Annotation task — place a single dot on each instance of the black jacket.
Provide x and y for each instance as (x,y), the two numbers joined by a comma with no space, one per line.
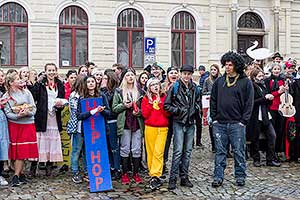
(296,100)
(109,96)
(40,95)
(185,104)
(231,104)
(253,128)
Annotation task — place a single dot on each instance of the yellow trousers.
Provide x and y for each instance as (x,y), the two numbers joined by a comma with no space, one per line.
(155,139)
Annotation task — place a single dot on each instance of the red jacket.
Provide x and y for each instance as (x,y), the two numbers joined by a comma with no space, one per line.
(67,90)
(276,101)
(153,117)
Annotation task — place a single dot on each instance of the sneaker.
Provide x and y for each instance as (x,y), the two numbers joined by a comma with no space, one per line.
(15,181)
(172,184)
(155,183)
(216,183)
(186,182)
(3,182)
(76,178)
(273,163)
(22,179)
(137,179)
(117,175)
(256,164)
(240,182)
(86,178)
(125,180)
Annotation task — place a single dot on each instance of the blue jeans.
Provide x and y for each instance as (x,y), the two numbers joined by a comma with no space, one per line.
(77,148)
(235,135)
(113,146)
(182,149)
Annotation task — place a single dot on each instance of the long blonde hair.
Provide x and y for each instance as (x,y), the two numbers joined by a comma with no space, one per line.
(129,94)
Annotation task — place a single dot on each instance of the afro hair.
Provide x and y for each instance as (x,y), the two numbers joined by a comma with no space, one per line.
(236,59)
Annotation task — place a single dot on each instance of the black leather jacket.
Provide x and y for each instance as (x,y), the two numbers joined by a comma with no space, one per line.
(183,103)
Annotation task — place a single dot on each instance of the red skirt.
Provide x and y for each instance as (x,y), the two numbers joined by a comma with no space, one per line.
(23,142)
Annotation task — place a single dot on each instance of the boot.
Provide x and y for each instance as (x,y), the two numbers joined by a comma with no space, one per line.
(136,165)
(49,168)
(33,167)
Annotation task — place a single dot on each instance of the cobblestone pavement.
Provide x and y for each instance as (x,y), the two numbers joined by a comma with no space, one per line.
(262,183)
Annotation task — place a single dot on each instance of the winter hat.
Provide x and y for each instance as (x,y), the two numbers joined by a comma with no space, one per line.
(159,65)
(187,68)
(277,54)
(172,68)
(201,67)
(96,70)
(151,81)
(125,72)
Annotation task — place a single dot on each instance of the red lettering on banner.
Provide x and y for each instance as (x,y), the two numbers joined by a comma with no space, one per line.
(99,181)
(93,156)
(95,135)
(97,169)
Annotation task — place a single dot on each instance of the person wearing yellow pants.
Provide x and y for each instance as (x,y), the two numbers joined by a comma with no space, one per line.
(156,129)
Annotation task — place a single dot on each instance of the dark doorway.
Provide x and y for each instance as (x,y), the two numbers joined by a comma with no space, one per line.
(246,41)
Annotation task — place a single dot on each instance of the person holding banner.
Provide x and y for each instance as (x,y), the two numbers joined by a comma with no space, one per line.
(156,129)
(49,94)
(129,123)
(207,86)
(20,109)
(90,90)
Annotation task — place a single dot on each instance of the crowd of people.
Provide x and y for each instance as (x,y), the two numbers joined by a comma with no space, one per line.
(145,113)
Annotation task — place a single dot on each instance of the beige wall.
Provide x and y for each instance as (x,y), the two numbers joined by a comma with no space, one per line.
(212,41)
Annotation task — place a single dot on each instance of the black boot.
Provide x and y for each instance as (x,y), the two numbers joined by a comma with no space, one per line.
(49,168)
(136,165)
(125,164)
(33,167)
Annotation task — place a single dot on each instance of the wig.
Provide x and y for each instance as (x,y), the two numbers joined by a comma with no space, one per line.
(236,59)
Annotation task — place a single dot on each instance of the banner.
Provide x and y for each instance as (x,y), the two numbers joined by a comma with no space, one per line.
(66,144)
(205,107)
(96,147)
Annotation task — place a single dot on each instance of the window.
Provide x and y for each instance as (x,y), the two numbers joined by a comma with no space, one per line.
(14,34)
(183,39)
(130,38)
(250,20)
(73,37)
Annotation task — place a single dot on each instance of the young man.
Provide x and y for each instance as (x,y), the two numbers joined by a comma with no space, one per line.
(90,66)
(118,69)
(157,71)
(277,58)
(231,104)
(183,102)
(203,75)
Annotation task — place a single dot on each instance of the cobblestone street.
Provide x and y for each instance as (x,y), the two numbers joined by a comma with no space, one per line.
(262,183)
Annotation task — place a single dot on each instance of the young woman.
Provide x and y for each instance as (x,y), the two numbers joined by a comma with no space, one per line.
(142,80)
(73,129)
(276,86)
(207,86)
(20,109)
(129,124)
(32,76)
(4,137)
(24,76)
(49,94)
(98,74)
(260,120)
(156,129)
(172,77)
(109,83)
(83,70)
(90,90)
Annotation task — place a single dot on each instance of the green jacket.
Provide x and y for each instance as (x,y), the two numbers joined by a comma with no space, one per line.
(119,108)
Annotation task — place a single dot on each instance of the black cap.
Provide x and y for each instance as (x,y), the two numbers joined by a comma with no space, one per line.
(187,68)
(277,54)
(201,67)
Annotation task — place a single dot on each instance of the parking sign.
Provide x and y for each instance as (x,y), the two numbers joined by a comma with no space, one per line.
(150,45)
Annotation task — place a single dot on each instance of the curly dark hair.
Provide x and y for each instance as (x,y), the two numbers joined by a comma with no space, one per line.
(236,59)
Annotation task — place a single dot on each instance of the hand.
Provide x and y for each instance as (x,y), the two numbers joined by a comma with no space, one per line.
(128,104)
(281,89)
(23,113)
(58,104)
(269,97)
(100,108)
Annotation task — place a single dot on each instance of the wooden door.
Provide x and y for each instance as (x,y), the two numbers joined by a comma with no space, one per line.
(245,41)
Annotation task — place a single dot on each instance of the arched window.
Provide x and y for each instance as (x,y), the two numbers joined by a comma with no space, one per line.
(130,38)
(183,39)
(250,20)
(14,34)
(73,36)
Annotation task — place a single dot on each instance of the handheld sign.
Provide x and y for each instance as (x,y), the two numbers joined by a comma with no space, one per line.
(66,145)
(96,147)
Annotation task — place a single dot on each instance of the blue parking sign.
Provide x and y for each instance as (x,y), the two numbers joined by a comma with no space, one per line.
(150,45)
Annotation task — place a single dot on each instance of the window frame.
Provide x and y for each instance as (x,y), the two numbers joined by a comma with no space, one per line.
(73,29)
(12,26)
(130,30)
(182,33)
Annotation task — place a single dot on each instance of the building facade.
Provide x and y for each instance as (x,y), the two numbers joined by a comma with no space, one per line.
(70,32)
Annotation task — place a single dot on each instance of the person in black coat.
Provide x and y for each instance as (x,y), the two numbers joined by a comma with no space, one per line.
(49,96)
(260,120)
